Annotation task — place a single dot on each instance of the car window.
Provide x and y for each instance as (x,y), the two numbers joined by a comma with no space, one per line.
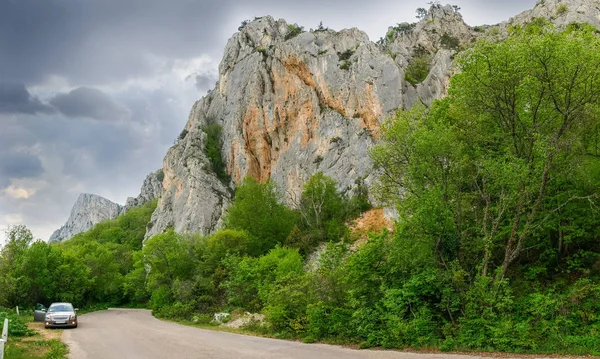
(60,308)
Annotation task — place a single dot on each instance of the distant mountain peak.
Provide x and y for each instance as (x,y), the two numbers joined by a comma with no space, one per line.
(88,210)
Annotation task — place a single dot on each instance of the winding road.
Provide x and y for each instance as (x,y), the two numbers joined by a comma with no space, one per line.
(134,333)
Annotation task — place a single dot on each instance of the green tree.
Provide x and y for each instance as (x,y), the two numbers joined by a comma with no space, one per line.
(323,208)
(18,240)
(478,174)
(534,96)
(418,68)
(258,209)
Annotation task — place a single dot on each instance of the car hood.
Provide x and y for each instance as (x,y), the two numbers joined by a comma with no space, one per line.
(60,314)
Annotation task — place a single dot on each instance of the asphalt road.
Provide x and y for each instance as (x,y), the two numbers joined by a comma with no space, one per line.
(132,334)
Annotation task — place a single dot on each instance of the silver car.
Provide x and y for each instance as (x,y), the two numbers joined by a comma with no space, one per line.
(61,315)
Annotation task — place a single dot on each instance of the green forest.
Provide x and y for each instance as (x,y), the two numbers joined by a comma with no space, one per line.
(496,246)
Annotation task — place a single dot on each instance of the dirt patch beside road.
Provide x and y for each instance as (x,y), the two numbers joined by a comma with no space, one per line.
(47,334)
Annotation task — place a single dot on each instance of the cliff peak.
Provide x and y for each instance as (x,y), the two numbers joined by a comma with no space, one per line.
(562,12)
(291,102)
(88,210)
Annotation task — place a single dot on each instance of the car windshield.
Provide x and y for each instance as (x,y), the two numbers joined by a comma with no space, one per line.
(60,308)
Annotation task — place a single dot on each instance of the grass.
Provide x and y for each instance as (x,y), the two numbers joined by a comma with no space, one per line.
(352,344)
(39,348)
(44,344)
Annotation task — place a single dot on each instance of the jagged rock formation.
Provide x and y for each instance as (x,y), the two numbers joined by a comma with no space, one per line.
(439,35)
(151,189)
(562,12)
(88,210)
(291,106)
(193,198)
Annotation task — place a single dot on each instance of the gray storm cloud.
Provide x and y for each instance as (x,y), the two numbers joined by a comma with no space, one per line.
(14,98)
(17,166)
(90,103)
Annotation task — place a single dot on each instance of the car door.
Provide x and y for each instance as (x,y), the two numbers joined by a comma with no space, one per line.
(39,314)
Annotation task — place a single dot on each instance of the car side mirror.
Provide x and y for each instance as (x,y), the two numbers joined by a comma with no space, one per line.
(76,309)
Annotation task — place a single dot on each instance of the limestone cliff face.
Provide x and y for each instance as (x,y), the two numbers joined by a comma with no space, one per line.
(193,198)
(151,189)
(88,210)
(291,106)
(562,12)
(440,34)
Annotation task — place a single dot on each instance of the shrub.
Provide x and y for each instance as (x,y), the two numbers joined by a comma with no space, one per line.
(421,13)
(182,134)
(346,55)
(243,25)
(17,326)
(561,9)
(212,149)
(294,30)
(418,69)
(449,42)
(405,27)
(390,35)
(321,28)
(160,175)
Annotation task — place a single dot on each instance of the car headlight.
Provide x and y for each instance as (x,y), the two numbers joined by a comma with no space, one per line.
(72,317)
(48,317)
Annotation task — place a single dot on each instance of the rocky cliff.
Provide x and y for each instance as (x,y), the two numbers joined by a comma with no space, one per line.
(88,210)
(151,189)
(289,104)
(292,104)
(562,12)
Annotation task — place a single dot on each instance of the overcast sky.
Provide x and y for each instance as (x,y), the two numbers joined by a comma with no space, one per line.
(93,93)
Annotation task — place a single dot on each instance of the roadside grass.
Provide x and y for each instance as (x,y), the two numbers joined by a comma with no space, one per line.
(258,331)
(44,344)
(35,347)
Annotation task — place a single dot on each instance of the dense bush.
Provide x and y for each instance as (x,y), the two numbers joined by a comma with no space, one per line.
(418,69)
(212,149)
(449,42)
(293,31)
(17,325)
(258,209)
